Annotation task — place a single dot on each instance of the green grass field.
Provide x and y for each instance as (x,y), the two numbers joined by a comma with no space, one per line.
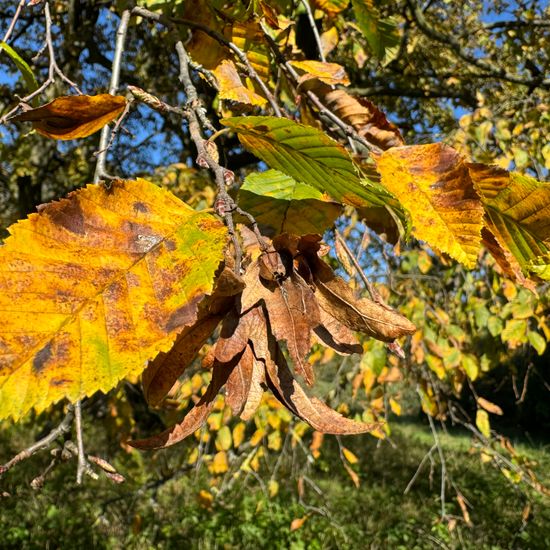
(144,513)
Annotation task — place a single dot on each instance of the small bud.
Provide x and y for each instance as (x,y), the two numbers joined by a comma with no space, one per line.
(228,177)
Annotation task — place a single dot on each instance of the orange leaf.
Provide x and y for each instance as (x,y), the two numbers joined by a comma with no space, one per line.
(76,116)
(488,406)
(231,86)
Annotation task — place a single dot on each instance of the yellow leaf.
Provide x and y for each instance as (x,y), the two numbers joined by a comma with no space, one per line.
(94,286)
(219,465)
(205,499)
(432,181)
(395,406)
(238,434)
(257,436)
(223,439)
(231,86)
(349,456)
(329,73)
(482,422)
(488,406)
(72,117)
(272,488)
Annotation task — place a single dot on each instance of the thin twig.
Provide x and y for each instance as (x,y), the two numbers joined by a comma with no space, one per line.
(311,18)
(14,20)
(374,294)
(427,456)
(100,171)
(443,464)
(63,428)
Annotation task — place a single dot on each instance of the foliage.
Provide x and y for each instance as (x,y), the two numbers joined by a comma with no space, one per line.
(123,279)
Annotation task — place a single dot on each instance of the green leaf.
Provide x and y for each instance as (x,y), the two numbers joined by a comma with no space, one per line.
(22,65)
(495,325)
(514,332)
(537,341)
(285,205)
(310,156)
(518,209)
(470,366)
(382,34)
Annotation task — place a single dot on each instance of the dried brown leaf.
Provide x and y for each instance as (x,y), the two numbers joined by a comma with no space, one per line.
(292,313)
(238,383)
(365,117)
(362,315)
(310,409)
(161,373)
(194,419)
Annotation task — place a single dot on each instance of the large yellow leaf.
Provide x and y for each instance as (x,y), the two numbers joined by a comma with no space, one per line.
(94,286)
(76,116)
(518,207)
(433,183)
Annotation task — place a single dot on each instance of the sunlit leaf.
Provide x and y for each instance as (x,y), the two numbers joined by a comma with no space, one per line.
(231,86)
(329,73)
(94,286)
(537,341)
(76,116)
(518,207)
(488,406)
(432,181)
(482,422)
(279,202)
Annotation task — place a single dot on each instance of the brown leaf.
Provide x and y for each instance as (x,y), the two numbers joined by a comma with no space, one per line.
(256,391)
(312,410)
(166,368)
(488,406)
(363,315)
(292,313)
(194,419)
(72,117)
(365,117)
(239,381)
(161,373)
(336,335)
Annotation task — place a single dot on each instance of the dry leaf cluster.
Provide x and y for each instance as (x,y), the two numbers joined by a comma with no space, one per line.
(287,296)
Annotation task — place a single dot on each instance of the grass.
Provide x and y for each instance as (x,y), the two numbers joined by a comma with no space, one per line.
(337,515)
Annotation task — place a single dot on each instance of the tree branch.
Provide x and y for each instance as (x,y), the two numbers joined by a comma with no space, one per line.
(455,46)
(113,88)
(63,428)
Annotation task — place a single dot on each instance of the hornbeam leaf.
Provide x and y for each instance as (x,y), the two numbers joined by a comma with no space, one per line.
(280,203)
(76,116)
(309,156)
(94,286)
(518,207)
(433,182)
